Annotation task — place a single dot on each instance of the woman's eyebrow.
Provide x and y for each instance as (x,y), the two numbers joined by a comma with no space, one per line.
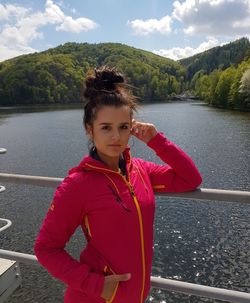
(108,123)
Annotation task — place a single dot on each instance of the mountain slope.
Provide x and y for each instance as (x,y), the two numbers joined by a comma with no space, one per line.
(56,75)
(220,57)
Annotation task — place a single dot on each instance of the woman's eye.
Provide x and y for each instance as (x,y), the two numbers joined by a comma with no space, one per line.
(124,127)
(106,127)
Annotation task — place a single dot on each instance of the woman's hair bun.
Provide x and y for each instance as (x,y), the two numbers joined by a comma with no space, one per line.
(105,79)
(105,86)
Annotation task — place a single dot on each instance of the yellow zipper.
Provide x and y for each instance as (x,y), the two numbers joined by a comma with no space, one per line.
(140,220)
(141,235)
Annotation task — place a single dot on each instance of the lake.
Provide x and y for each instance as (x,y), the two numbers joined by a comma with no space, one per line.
(201,242)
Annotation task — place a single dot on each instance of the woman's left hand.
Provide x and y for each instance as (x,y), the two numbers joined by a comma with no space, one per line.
(143,131)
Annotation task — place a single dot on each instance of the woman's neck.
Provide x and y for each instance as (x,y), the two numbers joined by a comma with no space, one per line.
(111,162)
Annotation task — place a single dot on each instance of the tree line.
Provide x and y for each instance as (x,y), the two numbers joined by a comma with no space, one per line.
(220,76)
(225,89)
(225,82)
(57,75)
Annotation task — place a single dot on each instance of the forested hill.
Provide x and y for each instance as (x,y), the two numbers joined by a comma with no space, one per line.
(57,75)
(222,76)
(220,57)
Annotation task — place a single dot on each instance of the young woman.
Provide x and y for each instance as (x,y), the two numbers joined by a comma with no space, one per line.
(111,196)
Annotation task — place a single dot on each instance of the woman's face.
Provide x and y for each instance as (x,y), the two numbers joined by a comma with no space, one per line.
(110,131)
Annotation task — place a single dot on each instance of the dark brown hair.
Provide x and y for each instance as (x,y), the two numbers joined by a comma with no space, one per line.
(106,87)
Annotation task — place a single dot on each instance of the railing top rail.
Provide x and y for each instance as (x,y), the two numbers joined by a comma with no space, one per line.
(213,194)
(199,194)
(201,290)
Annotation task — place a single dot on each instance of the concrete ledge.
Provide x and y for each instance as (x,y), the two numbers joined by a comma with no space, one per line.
(10,278)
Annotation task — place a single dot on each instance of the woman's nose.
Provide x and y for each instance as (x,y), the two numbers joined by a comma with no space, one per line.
(115,134)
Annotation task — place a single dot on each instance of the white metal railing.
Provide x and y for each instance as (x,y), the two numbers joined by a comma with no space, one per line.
(3,150)
(7,225)
(199,194)
(201,290)
(167,284)
(19,257)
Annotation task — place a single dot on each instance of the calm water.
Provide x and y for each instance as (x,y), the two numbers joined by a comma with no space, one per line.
(200,242)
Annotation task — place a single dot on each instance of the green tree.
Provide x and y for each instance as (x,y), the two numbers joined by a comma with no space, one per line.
(245,89)
(202,87)
(196,76)
(223,87)
(214,78)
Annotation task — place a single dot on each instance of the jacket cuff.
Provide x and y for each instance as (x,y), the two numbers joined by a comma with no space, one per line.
(157,142)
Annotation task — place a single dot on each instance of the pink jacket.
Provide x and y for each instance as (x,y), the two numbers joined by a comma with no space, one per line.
(116,215)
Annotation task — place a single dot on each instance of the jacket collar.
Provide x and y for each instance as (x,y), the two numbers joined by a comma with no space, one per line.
(89,163)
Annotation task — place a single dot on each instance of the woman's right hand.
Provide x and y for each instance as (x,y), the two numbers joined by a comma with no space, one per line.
(110,284)
(143,131)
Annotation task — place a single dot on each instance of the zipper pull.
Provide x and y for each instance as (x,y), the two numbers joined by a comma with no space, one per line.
(131,190)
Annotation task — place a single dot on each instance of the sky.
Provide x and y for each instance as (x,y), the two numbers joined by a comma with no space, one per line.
(174,29)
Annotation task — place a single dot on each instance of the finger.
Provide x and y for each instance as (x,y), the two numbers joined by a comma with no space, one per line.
(134,122)
(143,129)
(134,129)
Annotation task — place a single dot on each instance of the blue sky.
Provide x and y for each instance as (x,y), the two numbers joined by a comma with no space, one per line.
(175,29)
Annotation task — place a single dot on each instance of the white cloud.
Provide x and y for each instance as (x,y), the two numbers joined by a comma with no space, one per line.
(23,26)
(8,52)
(9,10)
(178,53)
(141,27)
(77,25)
(53,13)
(13,36)
(201,17)
(213,17)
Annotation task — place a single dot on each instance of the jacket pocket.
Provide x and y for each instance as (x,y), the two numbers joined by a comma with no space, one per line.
(120,293)
(98,264)
(93,259)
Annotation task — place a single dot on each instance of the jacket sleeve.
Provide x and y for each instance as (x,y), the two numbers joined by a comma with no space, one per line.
(64,216)
(179,175)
